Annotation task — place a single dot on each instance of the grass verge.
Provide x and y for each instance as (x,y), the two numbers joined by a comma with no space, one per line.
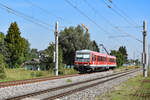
(137,88)
(22,74)
(123,68)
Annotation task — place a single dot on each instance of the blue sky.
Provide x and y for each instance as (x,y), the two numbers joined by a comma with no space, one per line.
(136,10)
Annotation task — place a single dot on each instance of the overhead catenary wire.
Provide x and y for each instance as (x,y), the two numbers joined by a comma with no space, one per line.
(124,16)
(121,11)
(86,16)
(46,11)
(117,28)
(26,17)
(118,36)
(30,19)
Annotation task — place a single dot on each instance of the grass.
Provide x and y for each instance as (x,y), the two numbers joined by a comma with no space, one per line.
(68,80)
(68,71)
(123,68)
(22,74)
(137,88)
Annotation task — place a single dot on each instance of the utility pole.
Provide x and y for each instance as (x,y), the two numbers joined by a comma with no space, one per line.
(144,49)
(148,57)
(56,49)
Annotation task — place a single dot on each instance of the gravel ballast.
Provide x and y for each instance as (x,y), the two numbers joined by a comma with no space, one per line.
(18,90)
(91,93)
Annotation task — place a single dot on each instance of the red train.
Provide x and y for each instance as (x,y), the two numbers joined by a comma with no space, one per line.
(87,61)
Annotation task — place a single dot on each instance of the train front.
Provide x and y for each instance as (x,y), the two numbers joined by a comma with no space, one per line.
(82,60)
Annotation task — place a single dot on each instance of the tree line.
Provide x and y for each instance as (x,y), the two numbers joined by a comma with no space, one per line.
(15,50)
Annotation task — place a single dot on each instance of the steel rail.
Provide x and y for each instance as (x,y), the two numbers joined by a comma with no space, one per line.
(34,80)
(67,86)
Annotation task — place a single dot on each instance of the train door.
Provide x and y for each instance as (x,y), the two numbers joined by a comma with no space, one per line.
(105,60)
(93,59)
(108,60)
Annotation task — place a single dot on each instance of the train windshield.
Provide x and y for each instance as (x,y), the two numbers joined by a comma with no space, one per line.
(83,57)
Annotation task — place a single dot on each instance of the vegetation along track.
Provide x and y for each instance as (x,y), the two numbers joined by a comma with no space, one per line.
(115,75)
(27,81)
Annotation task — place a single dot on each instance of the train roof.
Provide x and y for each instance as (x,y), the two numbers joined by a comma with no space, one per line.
(98,53)
(85,51)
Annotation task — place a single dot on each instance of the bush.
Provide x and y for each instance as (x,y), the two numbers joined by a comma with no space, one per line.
(16,65)
(32,74)
(2,67)
(38,74)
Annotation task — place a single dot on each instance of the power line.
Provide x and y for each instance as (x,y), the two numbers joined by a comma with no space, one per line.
(26,17)
(118,13)
(123,12)
(117,36)
(83,14)
(129,35)
(45,10)
(137,27)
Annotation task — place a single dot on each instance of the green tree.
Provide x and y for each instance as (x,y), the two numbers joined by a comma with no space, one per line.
(2,36)
(72,39)
(47,57)
(15,44)
(3,49)
(123,51)
(119,57)
(27,52)
(2,67)
(94,46)
(34,53)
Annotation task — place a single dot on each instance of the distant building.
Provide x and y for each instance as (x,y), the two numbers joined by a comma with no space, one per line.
(33,64)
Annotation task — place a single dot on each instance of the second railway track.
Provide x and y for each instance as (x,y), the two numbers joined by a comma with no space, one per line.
(64,90)
(27,81)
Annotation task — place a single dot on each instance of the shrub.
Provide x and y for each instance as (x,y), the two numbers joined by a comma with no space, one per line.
(38,74)
(32,74)
(16,65)
(2,67)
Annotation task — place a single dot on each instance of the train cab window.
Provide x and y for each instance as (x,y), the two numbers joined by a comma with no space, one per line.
(83,57)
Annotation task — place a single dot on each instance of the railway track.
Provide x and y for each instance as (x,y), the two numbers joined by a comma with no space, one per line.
(57,92)
(27,81)
(34,80)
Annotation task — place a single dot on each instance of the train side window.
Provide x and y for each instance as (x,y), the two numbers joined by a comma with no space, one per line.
(97,58)
(103,58)
(111,60)
(100,58)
